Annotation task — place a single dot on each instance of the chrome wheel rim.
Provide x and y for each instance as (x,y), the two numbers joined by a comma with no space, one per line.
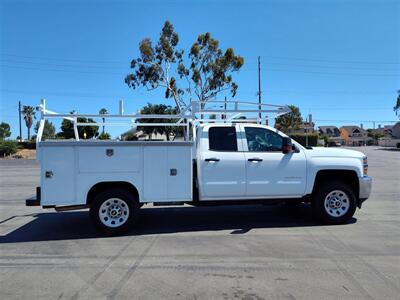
(114,212)
(337,203)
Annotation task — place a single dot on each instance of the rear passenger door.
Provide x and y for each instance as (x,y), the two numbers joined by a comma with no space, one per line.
(222,165)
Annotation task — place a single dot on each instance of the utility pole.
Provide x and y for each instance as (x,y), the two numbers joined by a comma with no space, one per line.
(20,126)
(225,109)
(259,89)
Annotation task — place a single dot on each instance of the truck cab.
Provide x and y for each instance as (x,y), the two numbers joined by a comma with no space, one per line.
(247,161)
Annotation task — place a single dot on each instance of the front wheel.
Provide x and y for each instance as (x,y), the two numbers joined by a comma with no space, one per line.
(334,203)
(114,210)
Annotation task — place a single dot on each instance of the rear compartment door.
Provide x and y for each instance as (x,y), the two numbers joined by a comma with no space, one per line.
(167,173)
(57,175)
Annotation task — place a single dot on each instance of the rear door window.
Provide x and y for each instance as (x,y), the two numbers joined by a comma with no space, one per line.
(222,139)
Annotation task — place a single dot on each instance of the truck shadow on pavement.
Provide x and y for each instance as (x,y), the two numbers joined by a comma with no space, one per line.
(54,226)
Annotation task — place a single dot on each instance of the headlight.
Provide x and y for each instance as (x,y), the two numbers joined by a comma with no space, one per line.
(365,165)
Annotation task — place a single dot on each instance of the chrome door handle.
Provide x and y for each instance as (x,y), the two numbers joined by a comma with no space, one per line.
(212,159)
(255,159)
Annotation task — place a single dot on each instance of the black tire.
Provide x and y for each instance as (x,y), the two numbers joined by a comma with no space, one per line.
(329,211)
(114,200)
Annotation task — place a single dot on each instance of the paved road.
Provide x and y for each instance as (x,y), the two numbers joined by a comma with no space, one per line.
(249,252)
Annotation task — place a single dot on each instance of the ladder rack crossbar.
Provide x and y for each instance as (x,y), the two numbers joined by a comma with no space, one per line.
(193,114)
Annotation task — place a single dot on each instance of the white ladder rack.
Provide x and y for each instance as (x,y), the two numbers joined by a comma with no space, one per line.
(197,112)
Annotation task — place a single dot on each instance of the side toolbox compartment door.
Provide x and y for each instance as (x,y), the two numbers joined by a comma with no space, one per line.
(179,174)
(167,173)
(57,176)
(155,173)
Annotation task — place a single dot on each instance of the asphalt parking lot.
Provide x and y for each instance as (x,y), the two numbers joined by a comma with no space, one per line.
(243,252)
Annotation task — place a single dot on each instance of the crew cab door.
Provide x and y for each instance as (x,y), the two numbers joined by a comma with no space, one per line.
(222,172)
(269,172)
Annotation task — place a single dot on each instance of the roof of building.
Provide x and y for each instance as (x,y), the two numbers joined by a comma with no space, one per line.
(351,128)
(325,128)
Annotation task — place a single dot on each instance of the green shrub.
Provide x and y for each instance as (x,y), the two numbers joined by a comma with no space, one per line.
(104,136)
(8,148)
(28,145)
(130,137)
(301,139)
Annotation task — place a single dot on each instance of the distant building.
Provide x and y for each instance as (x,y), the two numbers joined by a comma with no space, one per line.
(306,127)
(355,136)
(385,130)
(332,132)
(395,131)
(392,136)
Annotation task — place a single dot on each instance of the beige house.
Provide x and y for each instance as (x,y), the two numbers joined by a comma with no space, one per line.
(354,136)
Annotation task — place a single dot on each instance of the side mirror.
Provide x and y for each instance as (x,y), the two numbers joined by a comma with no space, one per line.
(287,146)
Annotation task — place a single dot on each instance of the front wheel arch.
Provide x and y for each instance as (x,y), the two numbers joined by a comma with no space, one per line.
(348,177)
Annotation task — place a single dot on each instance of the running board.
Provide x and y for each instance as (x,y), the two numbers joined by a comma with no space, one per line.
(71,207)
(167,203)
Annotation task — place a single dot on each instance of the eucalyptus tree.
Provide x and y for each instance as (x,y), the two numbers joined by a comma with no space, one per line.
(49,131)
(202,74)
(103,111)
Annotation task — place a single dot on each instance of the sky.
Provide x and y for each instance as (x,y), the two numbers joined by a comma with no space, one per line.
(338,60)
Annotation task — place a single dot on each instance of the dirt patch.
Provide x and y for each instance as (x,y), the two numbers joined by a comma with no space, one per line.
(23,153)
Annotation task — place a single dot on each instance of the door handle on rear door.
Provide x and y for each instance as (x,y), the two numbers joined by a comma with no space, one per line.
(212,159)
(256,159)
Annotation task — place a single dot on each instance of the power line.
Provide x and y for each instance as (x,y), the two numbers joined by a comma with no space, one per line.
(58,70)
(64,59)
(63,94)
(58,65)
(246,63)
(328,73)
(334,61)
(357,121)
(326,67)
(275,70)
(270,56)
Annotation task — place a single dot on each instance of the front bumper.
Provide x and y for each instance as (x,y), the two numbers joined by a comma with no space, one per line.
(365,184)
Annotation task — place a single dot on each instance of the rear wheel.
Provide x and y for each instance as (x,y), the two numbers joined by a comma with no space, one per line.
(334,203)
(114,210)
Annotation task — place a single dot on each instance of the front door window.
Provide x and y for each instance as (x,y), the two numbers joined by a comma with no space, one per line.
(262,140)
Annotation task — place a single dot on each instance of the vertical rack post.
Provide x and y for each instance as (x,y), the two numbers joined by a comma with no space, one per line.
(42,108)
(259,91)
(76,129)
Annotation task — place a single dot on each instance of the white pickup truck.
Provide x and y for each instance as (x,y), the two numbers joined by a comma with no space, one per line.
(227,163)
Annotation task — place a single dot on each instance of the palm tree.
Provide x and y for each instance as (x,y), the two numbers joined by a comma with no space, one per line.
(103,111)
(29,115)
(397,106)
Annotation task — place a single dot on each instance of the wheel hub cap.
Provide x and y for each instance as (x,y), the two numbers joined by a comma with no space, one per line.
(113,212)
(337,203)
